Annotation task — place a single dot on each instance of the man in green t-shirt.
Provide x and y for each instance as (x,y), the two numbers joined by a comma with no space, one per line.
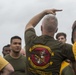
(44,54)
(16,59)
(66,66)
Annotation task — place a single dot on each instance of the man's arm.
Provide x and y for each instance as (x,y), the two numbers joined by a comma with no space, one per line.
(7,70)
(34,21)
(5,67)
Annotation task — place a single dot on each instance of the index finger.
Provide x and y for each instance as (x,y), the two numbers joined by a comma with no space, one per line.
(57,10)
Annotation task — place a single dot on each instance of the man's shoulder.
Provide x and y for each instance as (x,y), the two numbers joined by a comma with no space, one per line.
(68,44)
(7,57)
(23,58)
(30,29)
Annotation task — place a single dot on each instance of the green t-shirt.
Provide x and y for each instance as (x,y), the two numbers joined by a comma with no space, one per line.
(44,54)
(18,64)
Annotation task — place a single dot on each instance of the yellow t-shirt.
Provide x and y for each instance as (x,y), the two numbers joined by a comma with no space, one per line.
(3,63)
(74,49)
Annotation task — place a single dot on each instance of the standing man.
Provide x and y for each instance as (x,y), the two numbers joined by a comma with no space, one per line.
(5,67)
(6,50)
(73,39)
(44,54)
(16,59)
(66,66)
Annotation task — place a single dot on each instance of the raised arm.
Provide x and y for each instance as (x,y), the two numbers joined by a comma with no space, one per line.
(34,21)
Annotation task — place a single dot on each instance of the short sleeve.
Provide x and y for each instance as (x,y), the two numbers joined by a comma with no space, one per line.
(29,35)
(3,63)
(74,50)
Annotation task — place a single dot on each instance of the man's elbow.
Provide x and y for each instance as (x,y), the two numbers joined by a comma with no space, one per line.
(11,70)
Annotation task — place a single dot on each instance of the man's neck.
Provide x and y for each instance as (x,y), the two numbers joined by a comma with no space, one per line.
(49,34)
(15,55)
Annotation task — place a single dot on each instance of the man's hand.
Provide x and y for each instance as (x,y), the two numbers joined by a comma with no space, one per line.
(52,11)
(35,20)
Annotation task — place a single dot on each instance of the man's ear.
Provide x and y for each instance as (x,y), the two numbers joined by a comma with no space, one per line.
(56,30)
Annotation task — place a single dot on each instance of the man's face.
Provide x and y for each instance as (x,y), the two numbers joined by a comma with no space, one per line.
(62,39)
(16,45)
(6,51)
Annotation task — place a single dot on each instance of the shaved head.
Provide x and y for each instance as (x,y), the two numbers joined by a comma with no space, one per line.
(50,23)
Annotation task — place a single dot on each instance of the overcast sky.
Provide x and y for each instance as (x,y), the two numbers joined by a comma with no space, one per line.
(14,15)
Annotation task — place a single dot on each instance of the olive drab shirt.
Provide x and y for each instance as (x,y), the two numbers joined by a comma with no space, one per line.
(44,54)
(19,64)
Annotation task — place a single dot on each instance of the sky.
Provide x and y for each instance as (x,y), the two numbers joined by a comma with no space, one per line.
(15,14)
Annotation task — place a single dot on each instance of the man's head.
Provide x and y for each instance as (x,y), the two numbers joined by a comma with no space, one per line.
(6,50)
(61,37)
(73,39)
(15,44)
(49,24)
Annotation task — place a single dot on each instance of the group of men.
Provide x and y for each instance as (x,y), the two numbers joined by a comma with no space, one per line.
(44,54)
(66,66)
(13,54)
